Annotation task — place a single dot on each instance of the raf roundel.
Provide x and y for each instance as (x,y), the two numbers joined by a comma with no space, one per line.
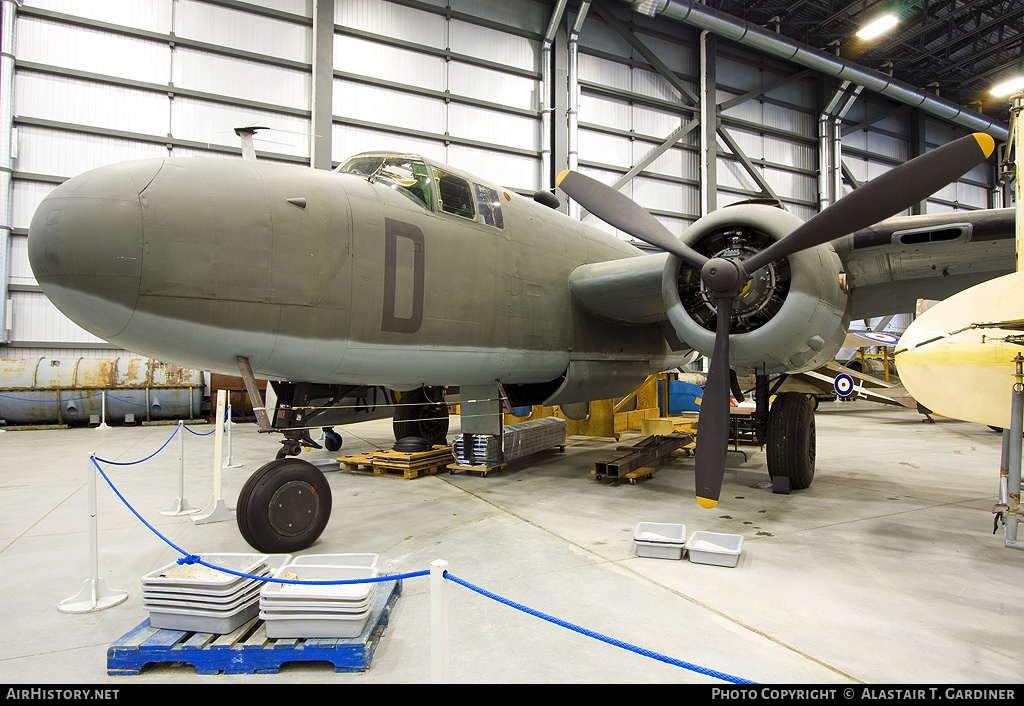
(884,338)
(844,385)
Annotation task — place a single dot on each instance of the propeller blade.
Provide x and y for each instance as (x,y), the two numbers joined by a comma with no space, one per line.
(618,210)
(883,197)
(713,422)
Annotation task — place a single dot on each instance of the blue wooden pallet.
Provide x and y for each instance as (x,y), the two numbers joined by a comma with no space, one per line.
(248,650)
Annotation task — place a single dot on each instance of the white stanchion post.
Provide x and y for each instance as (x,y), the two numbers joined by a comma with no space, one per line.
(439,653)
(94,594)
(181,506)
(217,511)
(103,410)
(228,462)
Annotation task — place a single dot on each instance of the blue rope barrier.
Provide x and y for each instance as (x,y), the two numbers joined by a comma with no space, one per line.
(251,421)
(132,463)
(62,399)
(598,636)
(181,406)
(187,558)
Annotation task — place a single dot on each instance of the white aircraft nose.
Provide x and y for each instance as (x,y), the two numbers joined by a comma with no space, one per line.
(85,245)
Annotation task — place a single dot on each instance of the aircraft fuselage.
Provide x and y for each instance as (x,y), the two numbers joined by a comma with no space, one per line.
(327,277)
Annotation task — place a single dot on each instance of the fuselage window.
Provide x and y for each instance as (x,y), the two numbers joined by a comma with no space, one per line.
(455,194)
(407,176)
(489,206)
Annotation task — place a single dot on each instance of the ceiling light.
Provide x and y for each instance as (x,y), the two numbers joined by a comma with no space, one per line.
(1007,87)
(873,29)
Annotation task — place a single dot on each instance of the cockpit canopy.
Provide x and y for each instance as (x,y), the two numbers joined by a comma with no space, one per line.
(435,188)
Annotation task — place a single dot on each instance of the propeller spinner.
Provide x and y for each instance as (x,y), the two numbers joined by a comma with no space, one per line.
(725,277)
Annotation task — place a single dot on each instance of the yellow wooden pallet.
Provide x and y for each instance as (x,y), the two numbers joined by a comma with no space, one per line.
(390,463)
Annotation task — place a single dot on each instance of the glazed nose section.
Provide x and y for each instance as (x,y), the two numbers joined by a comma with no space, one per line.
(85,245)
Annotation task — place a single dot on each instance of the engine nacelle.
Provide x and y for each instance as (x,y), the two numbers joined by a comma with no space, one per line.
(791,317)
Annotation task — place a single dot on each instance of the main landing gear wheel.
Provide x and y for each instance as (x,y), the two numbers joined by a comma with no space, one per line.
(790,443)
(284,506)
(417,415)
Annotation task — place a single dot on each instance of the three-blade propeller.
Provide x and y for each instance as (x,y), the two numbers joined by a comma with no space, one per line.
(724,278)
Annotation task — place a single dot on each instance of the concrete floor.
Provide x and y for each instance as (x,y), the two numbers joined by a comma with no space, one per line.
(885,571)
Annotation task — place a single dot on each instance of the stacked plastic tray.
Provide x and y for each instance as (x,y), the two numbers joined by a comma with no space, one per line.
(293,610)
(196,598)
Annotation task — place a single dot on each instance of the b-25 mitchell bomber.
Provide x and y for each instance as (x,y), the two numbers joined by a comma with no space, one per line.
(394,273)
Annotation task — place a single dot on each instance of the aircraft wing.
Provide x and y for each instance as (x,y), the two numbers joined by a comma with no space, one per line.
(892,264)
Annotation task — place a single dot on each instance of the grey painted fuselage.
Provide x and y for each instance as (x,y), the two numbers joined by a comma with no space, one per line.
(339,278)
(326,277)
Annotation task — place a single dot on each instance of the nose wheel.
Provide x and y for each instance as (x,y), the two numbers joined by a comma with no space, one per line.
(284,506)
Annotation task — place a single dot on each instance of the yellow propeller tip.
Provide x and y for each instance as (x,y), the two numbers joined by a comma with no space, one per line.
(986,143)
(706,503)
(561,174)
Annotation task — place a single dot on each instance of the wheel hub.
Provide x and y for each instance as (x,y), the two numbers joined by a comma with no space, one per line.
(293,508)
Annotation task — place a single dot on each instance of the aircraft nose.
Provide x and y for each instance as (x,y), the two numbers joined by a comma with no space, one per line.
(85,245)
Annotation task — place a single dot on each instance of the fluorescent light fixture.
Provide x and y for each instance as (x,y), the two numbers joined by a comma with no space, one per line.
(1007,87)
(873,29)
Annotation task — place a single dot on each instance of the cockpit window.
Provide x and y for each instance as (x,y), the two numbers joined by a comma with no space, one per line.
(455,194)
(489,206)
(405,175)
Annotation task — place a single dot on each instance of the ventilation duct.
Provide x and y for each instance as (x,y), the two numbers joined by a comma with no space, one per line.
(750,35)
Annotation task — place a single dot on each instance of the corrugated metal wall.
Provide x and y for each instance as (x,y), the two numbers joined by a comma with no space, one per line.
(457,80)
(103,82)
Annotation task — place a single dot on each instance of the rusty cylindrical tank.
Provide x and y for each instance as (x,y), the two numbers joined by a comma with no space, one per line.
(41,391)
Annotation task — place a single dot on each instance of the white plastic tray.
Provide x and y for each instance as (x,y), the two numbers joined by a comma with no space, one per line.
(350,592)
(250,596)
(332,626)
(322,607)
(193,576)
(715,548)
(659,540)
(210,595)
(202,621)
(659,533)
(335,560)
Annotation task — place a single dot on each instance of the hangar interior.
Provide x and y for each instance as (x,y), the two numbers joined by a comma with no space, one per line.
(886,570)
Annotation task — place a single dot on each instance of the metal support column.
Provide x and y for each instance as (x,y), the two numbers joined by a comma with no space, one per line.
(1017,137)
(828,160)
(7,12)
(1012,514)
(544,105)
(917,148)
(709,124)
(573,98)
(322,86)
(837,142)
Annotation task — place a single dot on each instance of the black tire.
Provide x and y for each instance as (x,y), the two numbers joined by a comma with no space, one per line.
(332,440)
(790,443)
(416,415)
(284,506)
